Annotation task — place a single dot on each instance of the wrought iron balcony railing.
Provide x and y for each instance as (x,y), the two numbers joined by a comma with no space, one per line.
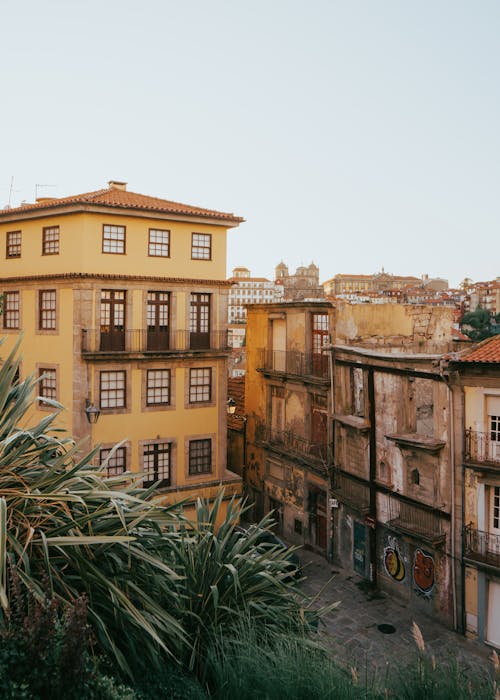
(351,491)
(482,546)
(142,340)
(317,453)
(480,447)
(412,518)
(294,362)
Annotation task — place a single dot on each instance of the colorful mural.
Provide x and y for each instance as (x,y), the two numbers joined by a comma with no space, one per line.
(423,572)
(393,560)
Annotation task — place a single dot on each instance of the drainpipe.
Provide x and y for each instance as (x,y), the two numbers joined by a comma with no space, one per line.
(372,477)
(446,378)
(331,367)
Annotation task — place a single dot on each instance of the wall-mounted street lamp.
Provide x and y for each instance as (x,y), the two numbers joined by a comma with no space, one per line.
(92,412)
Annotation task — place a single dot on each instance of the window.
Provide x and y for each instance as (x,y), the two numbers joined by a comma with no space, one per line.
(200,385)
(495,510)
(116,463)
(113,239)
(47,385)
(200,456)
(47,309)
(159,243)
(158,387)
(113,389)
(11,310)
(50,240)
(201,246)
(13,244)
(157,464)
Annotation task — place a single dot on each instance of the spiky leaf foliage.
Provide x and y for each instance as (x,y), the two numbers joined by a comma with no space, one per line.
(63,522)
(228,577)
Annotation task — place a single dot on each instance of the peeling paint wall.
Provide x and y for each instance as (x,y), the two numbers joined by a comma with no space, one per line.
(385,324)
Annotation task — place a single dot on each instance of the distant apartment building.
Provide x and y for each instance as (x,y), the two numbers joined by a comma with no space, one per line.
(379,282)
(122,301)
(484,294)
(246,289)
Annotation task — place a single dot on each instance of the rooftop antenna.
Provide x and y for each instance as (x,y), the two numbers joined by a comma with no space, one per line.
(11,192)
(37,187)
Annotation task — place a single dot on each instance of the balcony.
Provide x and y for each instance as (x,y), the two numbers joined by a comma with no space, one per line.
(293,362)
(350,491)
(314,454)
(412,519)
(481,449)
(143,341)
(483,547)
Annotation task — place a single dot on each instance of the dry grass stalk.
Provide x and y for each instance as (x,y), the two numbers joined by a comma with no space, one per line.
(417,636)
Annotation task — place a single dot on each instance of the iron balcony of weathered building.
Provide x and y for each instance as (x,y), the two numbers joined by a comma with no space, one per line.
(293,362)
(98,341)
(482,547)
(417,519)
(316,455)
(481,450)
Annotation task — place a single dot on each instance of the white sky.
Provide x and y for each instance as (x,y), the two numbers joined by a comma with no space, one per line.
(356,134)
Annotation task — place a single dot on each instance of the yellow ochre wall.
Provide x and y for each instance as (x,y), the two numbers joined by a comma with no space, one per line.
(78,303)
(81,247)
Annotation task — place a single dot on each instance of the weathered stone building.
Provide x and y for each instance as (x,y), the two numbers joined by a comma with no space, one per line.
(286,397)
(393,477)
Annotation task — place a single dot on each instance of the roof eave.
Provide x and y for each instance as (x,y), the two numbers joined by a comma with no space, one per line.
(55,209)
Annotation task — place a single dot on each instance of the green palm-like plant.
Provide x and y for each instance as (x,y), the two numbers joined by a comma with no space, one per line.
(156,584)
(63,522)
(229,579)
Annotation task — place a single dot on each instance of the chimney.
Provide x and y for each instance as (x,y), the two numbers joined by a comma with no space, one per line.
(117,185)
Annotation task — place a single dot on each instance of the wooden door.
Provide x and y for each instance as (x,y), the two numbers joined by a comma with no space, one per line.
(112,330)
(199,320)
(158,320)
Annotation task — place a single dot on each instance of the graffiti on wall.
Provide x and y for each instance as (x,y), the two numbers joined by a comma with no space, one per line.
(423,573)
(394,563)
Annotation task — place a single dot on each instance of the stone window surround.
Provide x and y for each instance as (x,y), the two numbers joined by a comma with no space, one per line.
(114,367)
(190,478)
(38,329)
(17,328)
(213,387)
(39,366)
(171,406)
(110,445)
(173,456)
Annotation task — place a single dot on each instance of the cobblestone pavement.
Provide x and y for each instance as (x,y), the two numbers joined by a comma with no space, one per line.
(351,630)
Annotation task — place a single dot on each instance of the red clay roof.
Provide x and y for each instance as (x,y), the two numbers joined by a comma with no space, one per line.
(488,352)
(122,199)
(236,391)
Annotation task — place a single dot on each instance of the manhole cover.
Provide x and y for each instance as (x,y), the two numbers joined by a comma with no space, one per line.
(386,629)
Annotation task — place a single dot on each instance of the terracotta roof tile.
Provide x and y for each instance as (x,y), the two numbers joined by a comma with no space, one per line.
(122,199)
(236,391)
(487,352)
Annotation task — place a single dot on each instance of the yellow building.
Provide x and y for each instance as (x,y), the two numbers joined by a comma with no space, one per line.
(478,378)
(122,302)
